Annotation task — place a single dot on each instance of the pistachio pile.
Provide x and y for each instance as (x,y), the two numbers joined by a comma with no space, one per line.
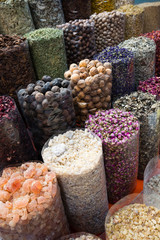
(91,83)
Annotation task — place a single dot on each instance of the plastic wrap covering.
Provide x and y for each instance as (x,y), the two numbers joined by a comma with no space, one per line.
(120,146)
(109,29)
(151,85)
(134,20)
(130,218)
(15,17)
(91,83)
(76,9)
(122,62)
(144,54)
(47,106)
(48,52)
(77,159)
(80,236)
(145,107)
(79,40)
(46,13)
(155,35)
(15,143)
(119,3)
(15,65)
(99,6)
(31,205)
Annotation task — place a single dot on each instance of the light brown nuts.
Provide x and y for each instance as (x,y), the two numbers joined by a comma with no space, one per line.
(39,97)
(90,105)
(73,67)
(96,99)
(55,89)
(98,64)
(98,105)
(86,60)
(103,99)
(82,69)
(88,81)
(105,105)
(91,64)
(107,65)
(81,83)
(67,75)
(101,69)
(83,63)
(109,85)
(83,75)
(84,111)
(99,91)
(81,95)
(101,83)
(108,71)
(75,78)
(87,98)
(82,105)
(93,71)
(49,95)
(108,98)
(76,72)
(93,93)
(94,86)
(77,89)
(86,89)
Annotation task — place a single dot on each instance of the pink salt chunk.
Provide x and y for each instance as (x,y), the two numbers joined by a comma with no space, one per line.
(30,172)
(36,187)
(41,200)
(14,184)
(50,177)
(21,202)
(3,181)
(27,185)
(4,195)
(3,210)
(32,206)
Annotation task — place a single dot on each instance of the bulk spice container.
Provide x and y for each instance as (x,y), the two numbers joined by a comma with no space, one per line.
(144,57)
(155,35)
(119,132)
(80,236)
(15,65)
(91,83)
(151,85)
(76,9)
(15,144)
(48,52)
(30,204)
(109,29)
(79,40)
(131,219)
(134,20)
(46,13)
(119,3)
(47,106)
(122,62)
(15,17)
(77,159)
(145,107)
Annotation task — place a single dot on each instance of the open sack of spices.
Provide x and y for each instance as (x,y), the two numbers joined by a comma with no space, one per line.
(80,236)
(76,156)
(30,204)
(15,17)
(47,106)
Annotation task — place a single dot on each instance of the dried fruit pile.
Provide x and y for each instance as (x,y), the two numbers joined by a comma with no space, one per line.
(30,203)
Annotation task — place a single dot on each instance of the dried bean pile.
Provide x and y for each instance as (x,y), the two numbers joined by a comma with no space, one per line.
(48,52)
(15,143)
(135,221)
(99,6)
(15,65)
(30,204)
(145,107)
(151,85)
(80,236)
(77,159)
(155,35)
(91,83)
(134,20)
(109,29)
(46,13)
(47,106)
(79,40)
(15,17)
(119,132)
(144,53)
(76,9)
(119,3)
(122,62)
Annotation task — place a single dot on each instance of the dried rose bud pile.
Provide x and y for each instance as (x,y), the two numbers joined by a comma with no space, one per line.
(151,85)
(119,132)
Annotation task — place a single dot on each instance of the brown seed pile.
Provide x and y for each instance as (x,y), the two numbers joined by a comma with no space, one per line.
(91,83)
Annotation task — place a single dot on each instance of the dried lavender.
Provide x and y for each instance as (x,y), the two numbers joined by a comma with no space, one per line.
(145,107)
(119,132)
(144,53)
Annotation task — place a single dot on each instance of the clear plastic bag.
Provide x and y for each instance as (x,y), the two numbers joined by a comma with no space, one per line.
(76,9)
(80,236)
(46,13)
(15,17)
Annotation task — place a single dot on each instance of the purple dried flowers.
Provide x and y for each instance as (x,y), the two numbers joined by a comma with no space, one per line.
(151,85)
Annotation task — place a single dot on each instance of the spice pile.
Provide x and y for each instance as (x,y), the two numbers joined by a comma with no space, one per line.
(77,159)
(80,236)
(119,132)
(145,107)
(91,83)
(151,85)
(119,3)
(99,6)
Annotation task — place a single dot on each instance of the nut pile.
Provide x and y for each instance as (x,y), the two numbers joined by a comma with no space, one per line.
(46,13)
(135,221)
(109,29)
(145,107)
(80,236)
(99,6)
(119,132)
(134,20)
(47,106)
(122,62)
(79,39)
(77,159)
(151,85)
(15,65)
(30,204)
(91,83)
(144,55)
(47,50)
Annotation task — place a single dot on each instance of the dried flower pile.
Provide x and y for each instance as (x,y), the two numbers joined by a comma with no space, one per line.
(151,85)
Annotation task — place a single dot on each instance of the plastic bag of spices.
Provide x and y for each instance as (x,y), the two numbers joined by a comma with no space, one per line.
(47,106)
(76,9)
(109,29)
(31,207)
(46,13)
(80,236)
(15,17)
(15,65)
(79,40)
(76,157)
(15,143)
